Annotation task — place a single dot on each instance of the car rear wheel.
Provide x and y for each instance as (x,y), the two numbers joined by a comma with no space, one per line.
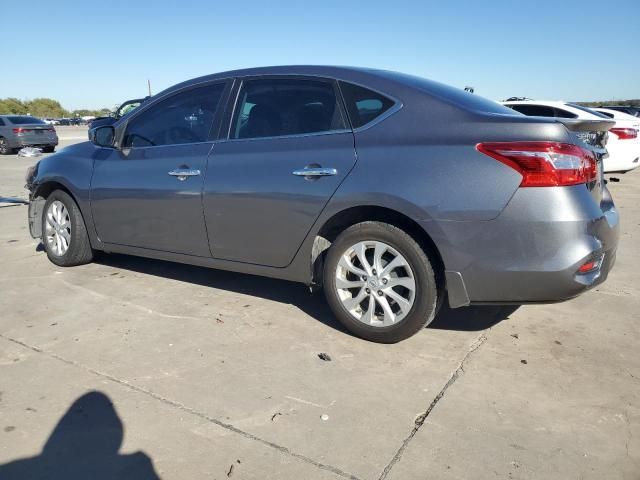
(4,147)
(64,234)
(380,283)
(49,149)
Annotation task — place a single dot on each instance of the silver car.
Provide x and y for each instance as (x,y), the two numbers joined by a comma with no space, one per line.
(393,193)
(17,131)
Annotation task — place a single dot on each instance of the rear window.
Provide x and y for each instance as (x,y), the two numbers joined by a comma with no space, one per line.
(534,110)
(1,122)
(363,105)
(610,115)
(24,120)
(588,110)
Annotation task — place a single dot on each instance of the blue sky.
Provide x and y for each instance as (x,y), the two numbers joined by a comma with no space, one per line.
(93,54)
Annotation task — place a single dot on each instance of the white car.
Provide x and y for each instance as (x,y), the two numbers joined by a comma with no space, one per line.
(623,144)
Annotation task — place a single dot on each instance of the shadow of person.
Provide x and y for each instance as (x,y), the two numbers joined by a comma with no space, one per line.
(84,445)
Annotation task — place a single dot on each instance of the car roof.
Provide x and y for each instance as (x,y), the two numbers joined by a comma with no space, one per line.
(399,85)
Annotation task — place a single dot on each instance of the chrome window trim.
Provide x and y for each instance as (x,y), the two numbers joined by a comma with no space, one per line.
(295,135)
(169,145)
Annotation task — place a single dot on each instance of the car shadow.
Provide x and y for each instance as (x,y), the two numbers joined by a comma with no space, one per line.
(474,318)
(84,445)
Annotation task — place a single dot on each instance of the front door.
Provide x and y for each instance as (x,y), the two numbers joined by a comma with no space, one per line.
(148,193)
(287,153)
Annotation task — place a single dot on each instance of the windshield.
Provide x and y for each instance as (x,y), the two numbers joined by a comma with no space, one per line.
(24,120)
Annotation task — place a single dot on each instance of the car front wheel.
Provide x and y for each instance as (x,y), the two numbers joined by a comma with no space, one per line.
(379,282)
(64,234)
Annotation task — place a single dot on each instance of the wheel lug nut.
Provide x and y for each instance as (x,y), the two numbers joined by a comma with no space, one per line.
(364,278)
(367,290)
(380,292)
(384,280)
(374,271)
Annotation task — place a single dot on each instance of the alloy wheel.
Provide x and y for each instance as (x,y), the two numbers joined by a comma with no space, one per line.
(375,283)
(58,228)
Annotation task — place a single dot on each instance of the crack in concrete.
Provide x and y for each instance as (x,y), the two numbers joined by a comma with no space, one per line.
(184,408)
(419,421)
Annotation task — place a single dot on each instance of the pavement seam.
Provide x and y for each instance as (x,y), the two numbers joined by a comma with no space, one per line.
(423,417)
(184,408)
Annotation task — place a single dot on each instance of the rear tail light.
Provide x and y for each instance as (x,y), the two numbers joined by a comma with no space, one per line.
(19,130)
(545,164)
(625,133)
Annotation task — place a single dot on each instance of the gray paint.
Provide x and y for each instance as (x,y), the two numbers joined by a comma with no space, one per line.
(248,213)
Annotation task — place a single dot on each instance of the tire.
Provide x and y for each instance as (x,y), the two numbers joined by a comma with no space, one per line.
(414,309)
(4,147)
(78,248)
(49,149)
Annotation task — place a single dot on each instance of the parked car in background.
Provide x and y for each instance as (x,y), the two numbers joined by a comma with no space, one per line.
(17,131)
(392,192)
(619,115)
(51,121)
(121,111)
(65,122)
(635,111)
(623,143)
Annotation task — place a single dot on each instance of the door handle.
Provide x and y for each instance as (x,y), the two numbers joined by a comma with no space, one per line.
(183,173)
(315,172)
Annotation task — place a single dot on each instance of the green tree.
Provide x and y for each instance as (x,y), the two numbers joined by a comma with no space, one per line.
(12,105)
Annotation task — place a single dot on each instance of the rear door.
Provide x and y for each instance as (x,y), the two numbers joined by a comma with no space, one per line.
(148,194)
(288,149)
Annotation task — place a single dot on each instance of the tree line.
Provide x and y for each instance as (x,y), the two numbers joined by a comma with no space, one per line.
(44,108)
(634,103)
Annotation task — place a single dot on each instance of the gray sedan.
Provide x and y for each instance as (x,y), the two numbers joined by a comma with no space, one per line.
(17,131)
(393,193)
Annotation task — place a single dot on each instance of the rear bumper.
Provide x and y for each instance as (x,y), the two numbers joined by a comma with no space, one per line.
(531,253)
(33,141)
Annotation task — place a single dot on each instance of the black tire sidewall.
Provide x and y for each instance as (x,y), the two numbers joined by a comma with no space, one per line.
(426,297)
(74,218)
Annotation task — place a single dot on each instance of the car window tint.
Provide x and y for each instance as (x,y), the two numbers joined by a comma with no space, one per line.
(363,105)
(24,120)
(533,110)
(278,107)
(560,113)
(610,115)
(185,117)
(1,122)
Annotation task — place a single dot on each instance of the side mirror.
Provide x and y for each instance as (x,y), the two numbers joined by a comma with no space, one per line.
(103,136)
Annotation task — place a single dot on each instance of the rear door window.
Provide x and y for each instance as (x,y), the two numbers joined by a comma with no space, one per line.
(284,107)
(364,105)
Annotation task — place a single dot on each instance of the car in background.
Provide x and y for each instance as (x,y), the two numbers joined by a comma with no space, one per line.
(393,192)
(623,143)
(124,109)
(618,115)
(628,109)
(18,131)
(51,121)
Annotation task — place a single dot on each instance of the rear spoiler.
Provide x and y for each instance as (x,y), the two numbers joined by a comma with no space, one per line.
(592,132)
(577,125)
